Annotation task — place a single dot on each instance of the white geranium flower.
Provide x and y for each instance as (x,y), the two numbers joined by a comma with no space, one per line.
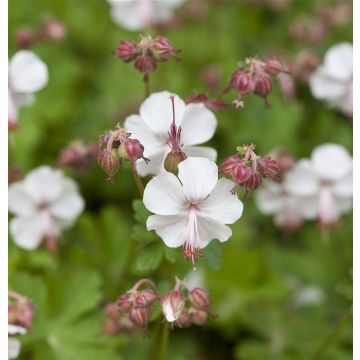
(135,15)
(27,75)
(151,127)
(325,180)
(333,80)
(14,345)
(193,208)
(44,204)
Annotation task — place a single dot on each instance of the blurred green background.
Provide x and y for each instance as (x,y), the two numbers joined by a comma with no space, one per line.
(259,279)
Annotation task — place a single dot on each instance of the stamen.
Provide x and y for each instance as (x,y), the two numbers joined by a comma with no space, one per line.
(192,248)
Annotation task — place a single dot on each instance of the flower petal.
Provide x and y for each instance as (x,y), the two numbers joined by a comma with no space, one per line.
(200,151)
(198,176)
(14,347)
(222,205)
(301,180)
(20,201)
(157,112)
(164,195)
(27,232)
(269,198)
(69,204)
(331,162)
(172,229)
(338,61)
(12,111)
(198,124)
(344,187)
(27,73)
(209,229)
(154,167)
(15,329)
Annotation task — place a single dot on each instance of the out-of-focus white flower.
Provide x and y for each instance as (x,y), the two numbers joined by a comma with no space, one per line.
(151,127)
(333,80)
(27,75)
(324,183)
(14,345)
(44,204)
(135,15)
(193,208)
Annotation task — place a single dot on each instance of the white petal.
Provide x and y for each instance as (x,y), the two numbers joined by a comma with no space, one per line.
(157,112)
(307,206)
(344,187)
(19,200)
(27,73)
(222,205)
(200,151)
(270,198)
(15,329)
(331,162)
(172,229)
(301,180)
(44,184)
(154,167)
(198,176)
(209,229)
(323,86)
(344,103)
(14,347)
(328,209)
(27,232)
(198,124)
(339,61)
(22,99)
(168,311)
(344,204)
(152,142)
(69,204)
(12,111)
(164,195)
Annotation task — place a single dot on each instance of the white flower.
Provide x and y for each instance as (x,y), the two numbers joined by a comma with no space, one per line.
(27,75)
(324,182)
(44,204)
(135,15)
(193,208)
(333,80)
(152,125)
(14,345)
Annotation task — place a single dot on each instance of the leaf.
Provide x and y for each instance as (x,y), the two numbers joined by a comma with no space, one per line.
(141,213)
(213,255)
(149,258)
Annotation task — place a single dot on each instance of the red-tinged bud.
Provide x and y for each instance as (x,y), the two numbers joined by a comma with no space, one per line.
(199,317)
(127,51)
(24,37)
(229,164)
(54,29)
(241,173)
(243,82)
(124,303)
(110,327)
(273,67)
(149,295)
(253,181)
(134,150)
(25,313)
(184,319)
(163,49)
(172,305)
(145,64)
(263,85)
(269,167)
(109,162)
(140,315)
(111,310)
(173,159)
(199,299)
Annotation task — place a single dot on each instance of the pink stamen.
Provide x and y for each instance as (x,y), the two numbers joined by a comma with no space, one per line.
(175,132)
(192,248)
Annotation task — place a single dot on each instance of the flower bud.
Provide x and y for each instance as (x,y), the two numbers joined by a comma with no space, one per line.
(24,37)
(172,305)
(241,173)
(149,295)
(110,327)
(269,167)
(184,319)
(134,149)
(273,67)
(243,82)
(111,310)
(199,299)
(25,313)
(173,159)
(54,29)
(124,303)
(253,181)
(109,161)
(127,51)
(199,317)
(163,49)
(263,85)
(145,64)
(229,163)
(140,315)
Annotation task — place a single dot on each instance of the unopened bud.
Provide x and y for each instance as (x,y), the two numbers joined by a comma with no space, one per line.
(199,299)
(263,85)
(140,315)
(24,37)
(253,181)
(124,303)
(54,29)
(163,49)
(111,310)
(145,64)
(149,295)
(243,82)
(127,51)
(134,149)
(173,159)
(172,305)
(269,167)
(109,161)
(184,319)
(273,67)
(229,163)
(199,317)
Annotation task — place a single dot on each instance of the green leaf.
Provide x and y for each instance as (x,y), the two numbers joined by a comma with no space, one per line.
(141,213)
(149,258)
(213,255)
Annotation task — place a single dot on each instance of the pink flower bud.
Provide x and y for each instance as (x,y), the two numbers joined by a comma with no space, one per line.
(163,49)
(263,85)
(228,165)
(134,149)
(54,29)
(241,173)
(185,319)
(243,82)
(173,159)
(253,181)
(269,167)
(25,313)
(124,303)
(110,327)
(140,315)
(24,37)
(145,64)
(199,317)
(111,310)
(149,296)
(172,305)
(109,162)
(273,67)
(199,299)
(127,50)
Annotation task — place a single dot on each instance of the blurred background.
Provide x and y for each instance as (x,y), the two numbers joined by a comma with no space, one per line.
(278,295)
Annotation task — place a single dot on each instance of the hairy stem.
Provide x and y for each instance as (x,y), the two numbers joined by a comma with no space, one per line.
(137,179)
(146,85)
(164,341)
(224,91)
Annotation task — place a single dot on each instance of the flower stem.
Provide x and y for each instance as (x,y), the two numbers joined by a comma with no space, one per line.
(224,91)
(155,340)
(331,337)
(137,179)
(164,341)
(146,85)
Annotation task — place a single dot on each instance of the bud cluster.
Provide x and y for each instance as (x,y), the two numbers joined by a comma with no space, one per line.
(115,146)
(247,169)
(78,156)
(256,77)
(147,53)
(20,310)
